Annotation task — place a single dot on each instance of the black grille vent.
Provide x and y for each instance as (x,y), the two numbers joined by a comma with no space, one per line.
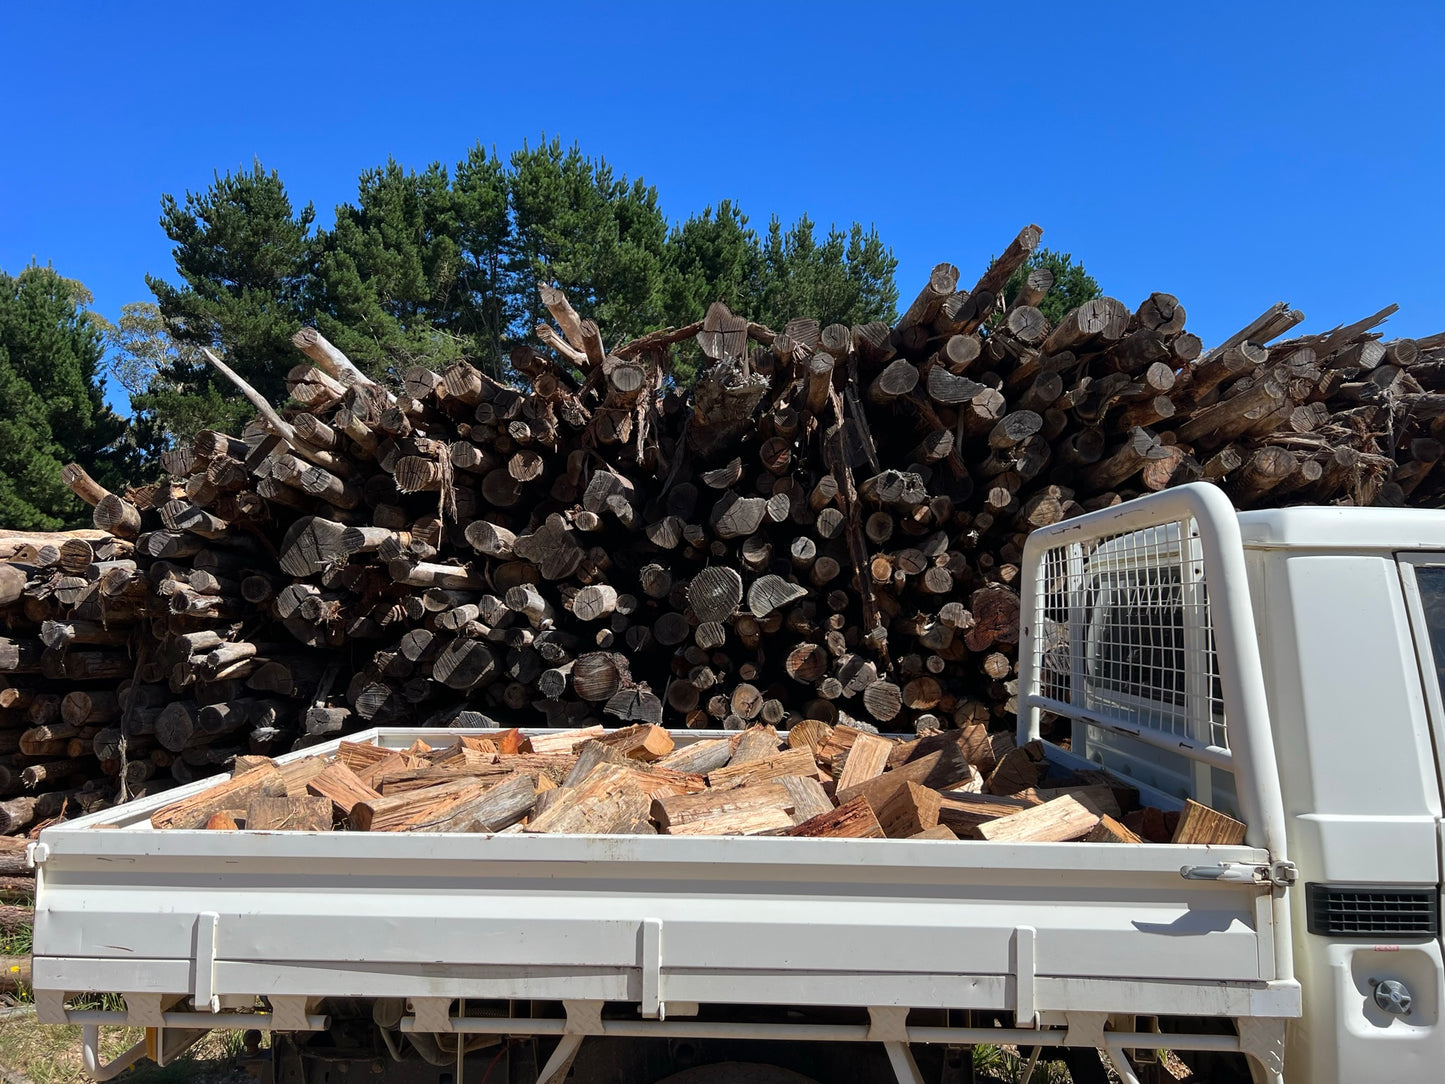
(1376,911)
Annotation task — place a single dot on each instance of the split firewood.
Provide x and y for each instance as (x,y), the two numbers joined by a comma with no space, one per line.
(645,742)
(342,787)
(1099,796)
(940,770)
(500,805)
(755,743)
(609,801)
(851,820)
(414,809)
(1109,830)
(237,793)
(762,770)
(909,810)
(866,758)
(286,814)
(700,757)
(736,811)
(807,796)
(938,831)
(964,812)
(1061,819)
(1200,824)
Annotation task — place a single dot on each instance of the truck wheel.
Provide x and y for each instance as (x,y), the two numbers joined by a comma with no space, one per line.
(737,1072)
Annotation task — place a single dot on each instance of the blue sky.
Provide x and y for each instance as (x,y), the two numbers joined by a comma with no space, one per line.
(1232,154)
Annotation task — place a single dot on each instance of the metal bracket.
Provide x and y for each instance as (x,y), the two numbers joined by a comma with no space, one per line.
(430,1014)
(1025,972)
(1279,874)
(294,1012)
(147,1010)
(207,925)
(900,1057)
(1085,1029)
(1262,1038)
(887,1024)
(583,1017)
(164,1045)
(561,1060)
(50,1006)
(651,937)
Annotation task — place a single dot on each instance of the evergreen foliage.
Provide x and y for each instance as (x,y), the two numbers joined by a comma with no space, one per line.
(598,236)
(244,257)
(54,413)
(424,267)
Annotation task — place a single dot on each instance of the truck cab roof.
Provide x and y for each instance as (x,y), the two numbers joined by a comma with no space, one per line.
(1354,529)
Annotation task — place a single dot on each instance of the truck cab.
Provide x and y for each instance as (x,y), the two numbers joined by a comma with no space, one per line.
(1347,608)
(1349,605)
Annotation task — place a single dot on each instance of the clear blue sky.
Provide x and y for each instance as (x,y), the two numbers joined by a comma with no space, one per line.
(1233,154)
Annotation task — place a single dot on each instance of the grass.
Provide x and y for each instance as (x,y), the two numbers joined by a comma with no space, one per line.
(18,942)
(51,1055)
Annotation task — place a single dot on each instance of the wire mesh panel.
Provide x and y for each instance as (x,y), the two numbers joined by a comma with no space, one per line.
(1123,643)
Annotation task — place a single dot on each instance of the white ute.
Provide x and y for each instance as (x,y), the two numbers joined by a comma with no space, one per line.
(1280,666)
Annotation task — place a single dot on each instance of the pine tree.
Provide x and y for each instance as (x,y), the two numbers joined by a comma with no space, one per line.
(714,256)
(243,256)
(425,267)
(599,237)
(54,413)
(847,279)
(387,275)
(486,294)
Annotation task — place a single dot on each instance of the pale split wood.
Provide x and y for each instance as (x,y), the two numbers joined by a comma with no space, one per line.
(607,802)
(193,812)
(1200,824)
(866,758)
(791,762)
(1062,819)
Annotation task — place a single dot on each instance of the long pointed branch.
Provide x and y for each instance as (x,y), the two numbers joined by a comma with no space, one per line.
(279,425)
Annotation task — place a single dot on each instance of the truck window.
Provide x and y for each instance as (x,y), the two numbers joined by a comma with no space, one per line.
(1431,581)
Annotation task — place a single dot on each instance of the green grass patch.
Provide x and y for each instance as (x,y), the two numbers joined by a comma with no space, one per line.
(50,1054)
(18,942)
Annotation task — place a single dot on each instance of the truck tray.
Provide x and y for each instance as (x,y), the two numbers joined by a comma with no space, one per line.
(223,918)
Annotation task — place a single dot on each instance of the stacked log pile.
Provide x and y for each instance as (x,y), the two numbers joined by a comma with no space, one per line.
(827,527)
(64,652)
(816,781)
